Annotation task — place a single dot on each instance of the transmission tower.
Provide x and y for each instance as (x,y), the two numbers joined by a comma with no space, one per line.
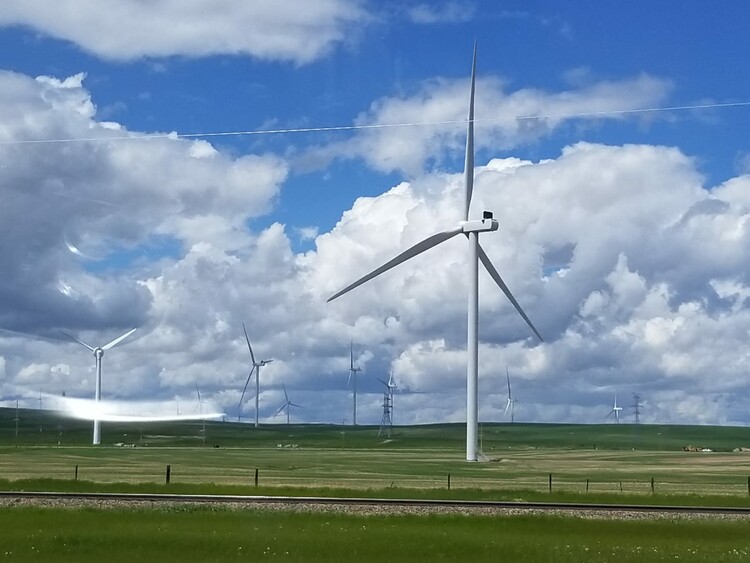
(386,422)
(637,406)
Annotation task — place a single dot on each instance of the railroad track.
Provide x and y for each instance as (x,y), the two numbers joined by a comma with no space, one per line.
(385,504)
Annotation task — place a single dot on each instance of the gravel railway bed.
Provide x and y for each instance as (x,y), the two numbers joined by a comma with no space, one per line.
(366,506)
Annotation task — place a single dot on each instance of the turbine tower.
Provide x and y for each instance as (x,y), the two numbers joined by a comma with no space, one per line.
(353,382)
(286,405)
(471,230)
(615,411)
(256,368)
(511,404)
(99,354)
(386,422)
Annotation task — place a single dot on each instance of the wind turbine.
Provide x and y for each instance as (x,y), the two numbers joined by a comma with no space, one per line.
(471,230)
(287,404)
(511,399)
(99,354)
(616,411)
(256,368)
(353,382)
(200,411)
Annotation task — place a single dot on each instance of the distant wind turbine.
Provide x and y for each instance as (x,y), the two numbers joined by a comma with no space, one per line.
(99,354)
(511,404)
(353,382)
(287,404)
(616,411)
(471,230)
(200,411)
(256,368)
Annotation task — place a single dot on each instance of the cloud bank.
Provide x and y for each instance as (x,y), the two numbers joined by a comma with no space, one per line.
(631,267)
(122,30)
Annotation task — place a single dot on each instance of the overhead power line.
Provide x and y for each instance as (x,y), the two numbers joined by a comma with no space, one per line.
(175,135)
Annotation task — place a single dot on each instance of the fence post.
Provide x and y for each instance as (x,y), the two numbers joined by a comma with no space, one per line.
(620,486)
(748,485)
(76,477)
(652,485)
(449,481)
(587,485)
(169,473)
(550,482)
(256,476)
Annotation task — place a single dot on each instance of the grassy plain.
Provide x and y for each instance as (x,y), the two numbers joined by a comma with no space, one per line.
(583,459)
(589,463)
(205,534)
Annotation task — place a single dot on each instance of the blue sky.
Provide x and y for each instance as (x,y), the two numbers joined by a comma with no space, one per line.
(622,234)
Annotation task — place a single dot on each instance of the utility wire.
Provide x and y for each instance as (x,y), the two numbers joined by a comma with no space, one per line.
(175,135)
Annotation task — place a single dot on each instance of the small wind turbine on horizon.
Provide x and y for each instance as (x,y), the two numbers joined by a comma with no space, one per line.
(287,404)
(616,411)
(200,411)
(99,354)
(256,368)
(511,404)
(353,382)
(471,230)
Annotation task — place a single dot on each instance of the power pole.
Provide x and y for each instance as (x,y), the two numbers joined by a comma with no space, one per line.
(386,423)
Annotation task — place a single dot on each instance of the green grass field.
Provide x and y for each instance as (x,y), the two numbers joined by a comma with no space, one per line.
(589,463)
(205,534)
(617,460)
(593,459)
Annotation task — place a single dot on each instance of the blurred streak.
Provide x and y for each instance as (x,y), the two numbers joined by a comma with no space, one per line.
(126,411)
(73,249)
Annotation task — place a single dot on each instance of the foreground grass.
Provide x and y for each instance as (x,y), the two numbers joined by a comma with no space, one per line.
(218,534)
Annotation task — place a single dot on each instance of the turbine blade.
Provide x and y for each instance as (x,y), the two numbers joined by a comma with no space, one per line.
(507,376)
(249,377)
(79,341)
(119,339)
(351,355)
(507,406)
(381,381)
(469,162)
(281,409)
(252,356)
(418,248)
(199,392)
(285,395)
(296,405)
(499,281)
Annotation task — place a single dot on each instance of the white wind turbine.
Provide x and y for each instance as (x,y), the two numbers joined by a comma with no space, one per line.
(256,368)
(287,404)
(99,354)
(616,411)
(471,230)
(353,382)
(511,404)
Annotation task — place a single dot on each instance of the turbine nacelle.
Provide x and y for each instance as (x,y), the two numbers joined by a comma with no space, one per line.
(483,225)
